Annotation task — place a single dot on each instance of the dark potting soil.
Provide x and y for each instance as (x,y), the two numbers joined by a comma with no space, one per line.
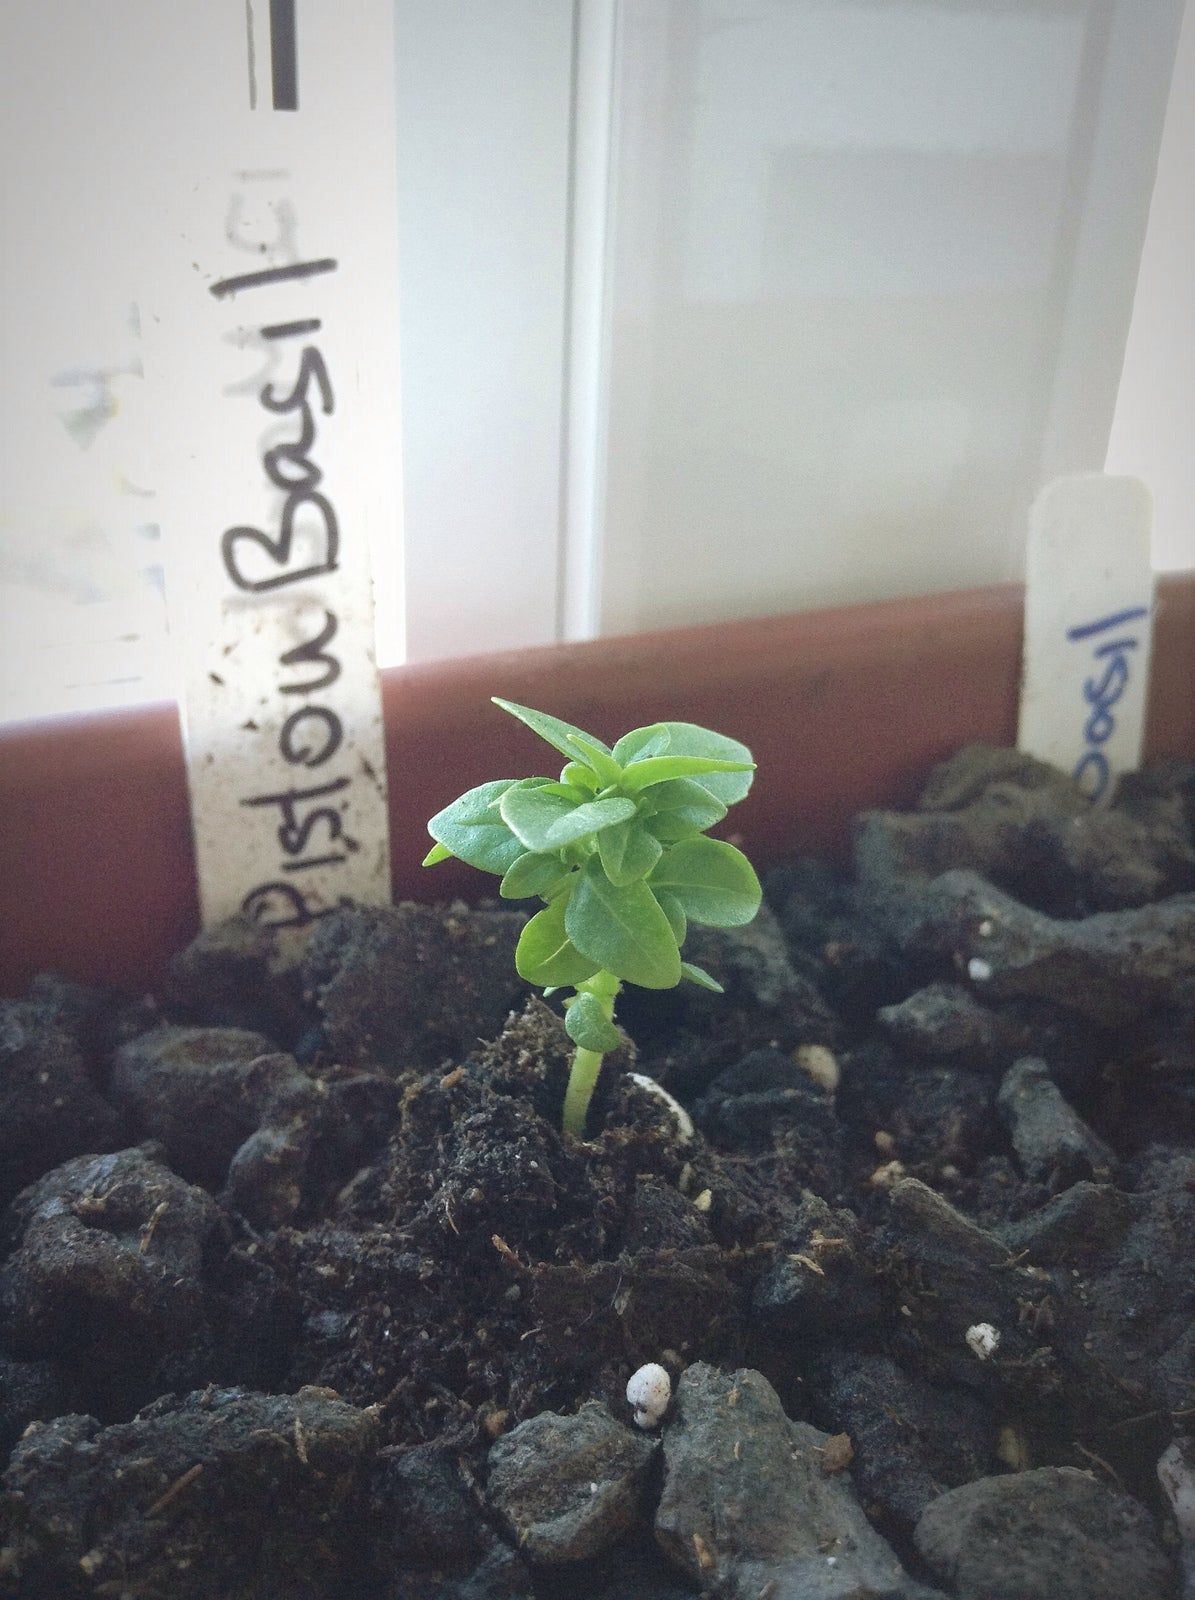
(304,1294)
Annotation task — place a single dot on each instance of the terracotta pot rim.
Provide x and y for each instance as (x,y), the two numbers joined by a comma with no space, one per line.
(845,709)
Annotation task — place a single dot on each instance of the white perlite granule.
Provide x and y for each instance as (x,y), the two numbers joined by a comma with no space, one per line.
(648,1392)
(982,1340)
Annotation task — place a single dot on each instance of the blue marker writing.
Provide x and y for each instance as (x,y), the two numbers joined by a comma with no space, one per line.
(1092,772)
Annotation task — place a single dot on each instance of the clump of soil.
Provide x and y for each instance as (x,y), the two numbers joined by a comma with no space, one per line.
(304,1293)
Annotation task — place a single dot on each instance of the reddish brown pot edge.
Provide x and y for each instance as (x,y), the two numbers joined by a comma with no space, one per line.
(844,709)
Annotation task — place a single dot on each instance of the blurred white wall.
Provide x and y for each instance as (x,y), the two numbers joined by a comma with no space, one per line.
(872,273)
(710,308)
(1153,431)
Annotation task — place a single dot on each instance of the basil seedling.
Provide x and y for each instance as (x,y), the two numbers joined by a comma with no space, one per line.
(616,849)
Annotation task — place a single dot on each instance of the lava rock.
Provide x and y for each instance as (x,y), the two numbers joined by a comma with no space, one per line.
(1050,1534)
(247,975)
(1132,1271)
(754,967)
(1029,828)
(428,1537)
(934,1115)
(412,986)
(687,1035)
(913,1440)
(1111,967)
(1053,1143)
(31,1391)
(836,939)
(49,1107)
(749,1505)
(947,1275)
(221,1494)
(821,1285)
(201,1092)
(944,1022)
(569,1487)
(231,1110)
(766,1103)
(107,1267)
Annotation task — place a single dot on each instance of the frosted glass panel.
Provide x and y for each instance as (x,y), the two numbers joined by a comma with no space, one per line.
(843,278)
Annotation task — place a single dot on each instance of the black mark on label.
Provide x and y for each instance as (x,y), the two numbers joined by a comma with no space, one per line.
(284,61)
(268,275)
(288,330)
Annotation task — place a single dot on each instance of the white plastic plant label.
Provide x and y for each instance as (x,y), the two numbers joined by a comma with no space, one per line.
(1088,627)
(270,321)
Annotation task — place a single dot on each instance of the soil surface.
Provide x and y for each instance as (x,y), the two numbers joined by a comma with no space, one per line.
(304,1294)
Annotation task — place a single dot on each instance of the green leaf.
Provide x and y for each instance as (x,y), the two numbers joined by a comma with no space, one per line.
(688,802)
(587,819)
(622,929)
(597,758)
(699,976)
(530,813)
(532,874)
(642,742)
(714,882)
(572,792)
(628,852)
(576,772)
(474,832)
(586,1023)
(556,732)
(657,769)
(545,954)
(437,853)
(688,739)
(674,911)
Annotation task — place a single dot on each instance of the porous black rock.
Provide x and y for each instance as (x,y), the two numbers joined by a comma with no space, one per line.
(1110,968)
(220,1495)
(1053,1143)
(766,1103)
(1029,828)
(569,1487)
(32,1391)
(106,1271)
(754,1504)
(912,1439)
(1053,1533)
(428,1536)
(411,986)
(201,1092)
(945,1022)
(50,1108)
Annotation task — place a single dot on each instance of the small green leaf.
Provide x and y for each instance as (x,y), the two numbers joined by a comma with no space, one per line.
(597,758)
(572,792)
(657,769)
(642,742)
(546,955)
(688,739)
(622,929)
(437,853)
(532,874)
(714,882)
(628,852)
(699,976)
(587,1024)
(530,813)
(688,802)
(587,819)
(576,772)
(474,832)
(674,911)
(556,732)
